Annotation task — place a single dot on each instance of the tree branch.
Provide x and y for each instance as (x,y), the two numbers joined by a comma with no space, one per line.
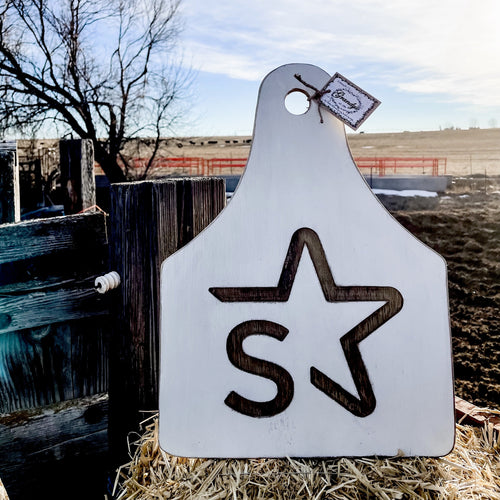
(51,70)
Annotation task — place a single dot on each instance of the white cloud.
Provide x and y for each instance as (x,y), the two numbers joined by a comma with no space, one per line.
(214,59)
(450,47)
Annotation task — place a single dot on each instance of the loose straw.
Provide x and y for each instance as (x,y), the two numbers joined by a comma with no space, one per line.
(471,471)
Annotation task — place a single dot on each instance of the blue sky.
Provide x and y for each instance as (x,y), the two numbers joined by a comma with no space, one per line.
(432,63)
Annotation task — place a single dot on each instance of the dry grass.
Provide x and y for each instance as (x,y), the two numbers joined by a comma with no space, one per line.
(471,471)
(3,493)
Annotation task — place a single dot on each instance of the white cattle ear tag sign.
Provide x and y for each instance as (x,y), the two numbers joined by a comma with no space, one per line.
(304,320)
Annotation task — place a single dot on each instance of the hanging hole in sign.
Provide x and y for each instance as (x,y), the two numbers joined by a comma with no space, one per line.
(297,102)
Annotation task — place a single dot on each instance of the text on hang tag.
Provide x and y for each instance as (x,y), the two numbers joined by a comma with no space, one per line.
(347,101)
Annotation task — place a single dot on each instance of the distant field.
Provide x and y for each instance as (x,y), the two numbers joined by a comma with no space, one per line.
(474,151)
(468,152)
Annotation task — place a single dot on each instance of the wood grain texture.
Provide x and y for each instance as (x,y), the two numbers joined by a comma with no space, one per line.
(149,221)
(10,200)
(470,414)
(71,300)
(42,366)
(53,324)
(56,451)
(77,174)
(26,240)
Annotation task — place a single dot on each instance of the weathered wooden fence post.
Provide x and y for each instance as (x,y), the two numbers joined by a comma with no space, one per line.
(10,200)
(77,174)
(149,221)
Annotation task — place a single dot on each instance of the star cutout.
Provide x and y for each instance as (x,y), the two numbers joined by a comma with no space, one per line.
(365,404)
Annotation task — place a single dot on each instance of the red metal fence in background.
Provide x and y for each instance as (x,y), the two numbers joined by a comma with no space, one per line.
(384,165)
(191,166)
(234,166)
(220,166)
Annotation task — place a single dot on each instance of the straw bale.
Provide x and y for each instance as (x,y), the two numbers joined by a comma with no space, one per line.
(471,471)
(3,492)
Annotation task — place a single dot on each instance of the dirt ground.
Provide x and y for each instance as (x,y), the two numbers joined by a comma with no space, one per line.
(465,230)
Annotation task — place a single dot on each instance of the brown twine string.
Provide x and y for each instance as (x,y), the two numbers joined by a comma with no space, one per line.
(106,215)
(93,207)
(318,94)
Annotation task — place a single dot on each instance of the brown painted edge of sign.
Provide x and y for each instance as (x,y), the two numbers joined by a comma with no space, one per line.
(365,404)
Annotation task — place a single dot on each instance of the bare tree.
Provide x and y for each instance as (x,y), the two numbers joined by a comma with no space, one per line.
(99,69)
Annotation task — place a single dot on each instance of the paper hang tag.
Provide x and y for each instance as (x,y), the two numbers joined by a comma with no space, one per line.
(347,101)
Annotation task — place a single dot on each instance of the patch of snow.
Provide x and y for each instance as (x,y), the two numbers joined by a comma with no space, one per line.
(406,192)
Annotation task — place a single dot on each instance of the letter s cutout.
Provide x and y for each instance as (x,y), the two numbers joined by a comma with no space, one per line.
(256,366)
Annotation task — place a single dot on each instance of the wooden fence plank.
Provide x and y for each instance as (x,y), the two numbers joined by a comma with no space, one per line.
(149,221)
(42,366)
(10,198)
(32,309)
(77,174)
(84,232)
(198,203)
(55,452)
(470,414)
(141,234)
(53,330)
